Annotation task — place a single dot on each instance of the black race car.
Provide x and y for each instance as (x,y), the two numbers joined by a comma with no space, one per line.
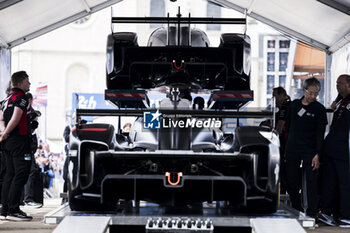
(177,153)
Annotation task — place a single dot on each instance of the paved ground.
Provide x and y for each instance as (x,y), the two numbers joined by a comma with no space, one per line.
(37,225)
(328,229)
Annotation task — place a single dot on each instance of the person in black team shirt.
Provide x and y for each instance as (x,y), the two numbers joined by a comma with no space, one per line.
(283,103)
(306,126)
(16,147)
(33,189)
(2,158)
(336,171)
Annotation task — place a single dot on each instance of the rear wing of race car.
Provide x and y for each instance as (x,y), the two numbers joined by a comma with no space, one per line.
(202,114)
(127,98)
(217,100)
(192,113)
(221,104)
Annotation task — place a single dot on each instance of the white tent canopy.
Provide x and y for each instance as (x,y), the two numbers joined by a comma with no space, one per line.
(24,20)
(322,23)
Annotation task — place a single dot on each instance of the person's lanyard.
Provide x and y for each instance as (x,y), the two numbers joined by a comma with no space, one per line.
(340,108)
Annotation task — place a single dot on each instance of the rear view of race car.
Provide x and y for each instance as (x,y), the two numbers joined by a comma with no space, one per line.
(176,154)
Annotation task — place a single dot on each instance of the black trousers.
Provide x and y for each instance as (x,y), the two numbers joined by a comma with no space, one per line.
(18,162)
(65,172)
(304,180)
(336,187)
(282,173)
(32,192)
(2,170)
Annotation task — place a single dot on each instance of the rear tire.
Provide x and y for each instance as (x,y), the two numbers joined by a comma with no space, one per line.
(262,206)
(79,203)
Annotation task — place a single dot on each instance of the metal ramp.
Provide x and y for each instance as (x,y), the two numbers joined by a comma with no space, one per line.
(152,219)
(86,224)
(262,225)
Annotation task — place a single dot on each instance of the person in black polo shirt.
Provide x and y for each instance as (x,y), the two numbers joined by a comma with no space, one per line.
(33,189)
(283,103)
(2,158)
(16,147)
(306,126)
(336,172)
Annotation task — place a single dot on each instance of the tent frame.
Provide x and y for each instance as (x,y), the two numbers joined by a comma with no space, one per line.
(87,11)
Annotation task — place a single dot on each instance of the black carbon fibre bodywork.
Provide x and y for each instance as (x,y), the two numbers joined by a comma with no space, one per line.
(176,166)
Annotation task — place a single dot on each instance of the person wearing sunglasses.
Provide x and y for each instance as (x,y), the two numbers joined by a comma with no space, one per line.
(306,120)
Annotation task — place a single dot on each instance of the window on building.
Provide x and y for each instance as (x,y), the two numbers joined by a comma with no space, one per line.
(283,61)
(270,83)
(297,88)
(214,11)
(284,44)
(270,61)
(157,9)
(282,81)
(271,44)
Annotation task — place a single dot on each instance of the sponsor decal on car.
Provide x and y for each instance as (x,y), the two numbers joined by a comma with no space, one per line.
(151,120)
(155,120)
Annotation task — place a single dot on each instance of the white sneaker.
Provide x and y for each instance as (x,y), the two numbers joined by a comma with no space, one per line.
(18,216)
(326,219)
(33,204)
(344,223)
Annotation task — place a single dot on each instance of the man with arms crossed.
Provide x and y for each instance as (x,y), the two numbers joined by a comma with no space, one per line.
(15,139)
